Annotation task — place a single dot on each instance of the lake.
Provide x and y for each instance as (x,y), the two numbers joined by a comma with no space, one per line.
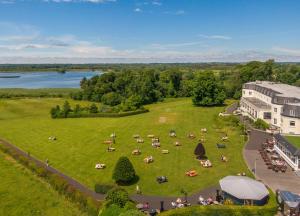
(33,80)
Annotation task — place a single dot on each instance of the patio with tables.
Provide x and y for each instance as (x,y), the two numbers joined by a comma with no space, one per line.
(271,158)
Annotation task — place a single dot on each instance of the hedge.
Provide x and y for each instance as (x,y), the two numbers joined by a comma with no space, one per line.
(85,203)
(223,210)
(105,115)
(269,209)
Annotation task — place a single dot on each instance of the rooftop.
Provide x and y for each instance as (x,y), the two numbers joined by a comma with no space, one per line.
(289,143)
(258,103)
(284,89)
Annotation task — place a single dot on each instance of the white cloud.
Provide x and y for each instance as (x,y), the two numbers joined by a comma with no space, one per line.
(220,37)
(178,12)
(294,52)
(176,45)
(157,3)
(138,10)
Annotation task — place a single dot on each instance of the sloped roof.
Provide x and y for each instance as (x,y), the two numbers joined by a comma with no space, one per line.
(244,188)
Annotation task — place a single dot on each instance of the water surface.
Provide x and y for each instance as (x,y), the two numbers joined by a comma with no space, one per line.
(35,80)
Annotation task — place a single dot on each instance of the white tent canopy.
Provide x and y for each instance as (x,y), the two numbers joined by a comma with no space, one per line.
(244,188)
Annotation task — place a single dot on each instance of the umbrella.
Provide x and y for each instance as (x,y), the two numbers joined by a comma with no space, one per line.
(200,150)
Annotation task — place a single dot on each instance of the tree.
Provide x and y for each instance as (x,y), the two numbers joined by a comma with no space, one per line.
(66,109)
(55,111)
(77,109)
(124,171)
(111,99)
(117,196)
(206,90)
(93,108)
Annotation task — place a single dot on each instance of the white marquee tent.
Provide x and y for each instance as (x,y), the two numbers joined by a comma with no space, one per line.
(244,188)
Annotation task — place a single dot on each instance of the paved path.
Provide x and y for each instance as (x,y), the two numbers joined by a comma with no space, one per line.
(154,201)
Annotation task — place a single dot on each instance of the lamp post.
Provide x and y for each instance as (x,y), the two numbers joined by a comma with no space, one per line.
(255,167)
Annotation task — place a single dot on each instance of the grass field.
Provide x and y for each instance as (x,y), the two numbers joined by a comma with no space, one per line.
(45,92)
(22,193)
(79,146)
(295,140)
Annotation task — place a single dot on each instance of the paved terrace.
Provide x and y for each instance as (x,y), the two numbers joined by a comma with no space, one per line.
(284,181)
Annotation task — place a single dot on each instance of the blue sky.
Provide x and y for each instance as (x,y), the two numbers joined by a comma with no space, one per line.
(41,31)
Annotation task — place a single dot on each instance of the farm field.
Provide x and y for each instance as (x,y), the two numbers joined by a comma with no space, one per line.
(22,193)
(79,145)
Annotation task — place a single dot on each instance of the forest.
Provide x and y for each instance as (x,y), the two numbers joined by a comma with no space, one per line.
(131,87)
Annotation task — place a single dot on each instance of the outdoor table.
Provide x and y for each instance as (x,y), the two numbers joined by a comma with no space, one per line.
(140,206)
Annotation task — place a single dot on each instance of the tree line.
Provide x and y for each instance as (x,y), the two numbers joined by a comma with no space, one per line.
(133,87)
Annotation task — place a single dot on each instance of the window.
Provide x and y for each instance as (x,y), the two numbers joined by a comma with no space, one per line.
(275,121)
(292,112)
(243,92)
(250,92)
(267,115)
(292,123)
(275,110)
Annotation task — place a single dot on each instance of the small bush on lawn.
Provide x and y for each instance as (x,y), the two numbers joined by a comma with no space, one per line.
(124,172)
(103,188)
(117,196)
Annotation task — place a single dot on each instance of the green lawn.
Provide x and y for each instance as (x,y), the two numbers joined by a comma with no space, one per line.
(294,140)
(44,92)
(22,193)
(79,145)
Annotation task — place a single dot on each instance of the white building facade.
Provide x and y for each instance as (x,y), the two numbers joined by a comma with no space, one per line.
(276,103)
(279,105)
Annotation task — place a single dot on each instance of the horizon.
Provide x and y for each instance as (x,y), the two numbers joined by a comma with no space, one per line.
(148,31)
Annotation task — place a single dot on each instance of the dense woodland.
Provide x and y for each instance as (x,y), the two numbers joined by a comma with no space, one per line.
(131,87)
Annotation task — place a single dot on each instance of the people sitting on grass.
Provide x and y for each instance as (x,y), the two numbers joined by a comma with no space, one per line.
(191,136)
(202,201)
(136,152)
(156,144)
(149,159)
(110,149)
(206,163)
(139,140)
(53,138)
(172,133)
(224,158)
(177,143)
(224,138)
(100,166)
(203,130)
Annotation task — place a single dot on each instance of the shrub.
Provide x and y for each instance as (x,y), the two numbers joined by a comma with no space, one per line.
(117,196)
(111,99)
(124,171)
(111,210)
(42,172)
(132,212)
(261,124)
(103,188)
(93,108)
